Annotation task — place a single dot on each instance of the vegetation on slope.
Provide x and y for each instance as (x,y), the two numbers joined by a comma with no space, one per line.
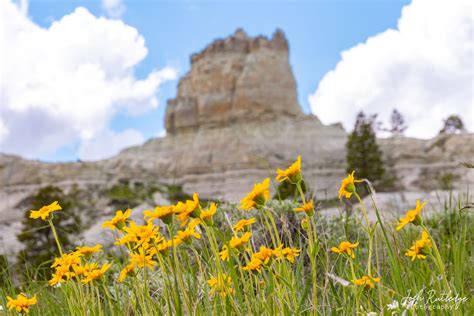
(280,257)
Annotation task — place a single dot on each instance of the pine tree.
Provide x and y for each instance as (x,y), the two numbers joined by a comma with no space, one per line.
(452,125)
(363,153)
(36,236)
(397,123)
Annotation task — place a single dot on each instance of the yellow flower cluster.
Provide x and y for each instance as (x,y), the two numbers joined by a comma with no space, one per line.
(145,242)
(257,199)
(139,235)
(76,266)
(21,303)
(422,247)
(265,256)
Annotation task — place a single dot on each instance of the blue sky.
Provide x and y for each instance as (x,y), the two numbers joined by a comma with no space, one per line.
(318,31)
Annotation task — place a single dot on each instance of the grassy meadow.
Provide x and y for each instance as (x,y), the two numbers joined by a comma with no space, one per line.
(262,257)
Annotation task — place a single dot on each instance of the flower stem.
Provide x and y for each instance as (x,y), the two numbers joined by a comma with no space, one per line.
(312,250)
(55,236)
(364,211)
(438,260)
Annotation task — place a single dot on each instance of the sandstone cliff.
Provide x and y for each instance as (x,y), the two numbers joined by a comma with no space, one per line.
(237,79)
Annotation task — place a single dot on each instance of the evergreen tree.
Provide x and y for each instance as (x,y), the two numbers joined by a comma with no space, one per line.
(36,235)
(363,153)
(452,125)
(397,123)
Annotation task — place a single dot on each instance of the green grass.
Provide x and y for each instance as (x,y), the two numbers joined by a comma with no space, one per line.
(318,282)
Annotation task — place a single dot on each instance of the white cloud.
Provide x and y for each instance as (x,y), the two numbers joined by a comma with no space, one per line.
(160,134)
(109,143)
(424,68)
(64,84)
(114,8)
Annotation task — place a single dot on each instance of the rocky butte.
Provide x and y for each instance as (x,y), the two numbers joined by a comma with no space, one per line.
(235,119)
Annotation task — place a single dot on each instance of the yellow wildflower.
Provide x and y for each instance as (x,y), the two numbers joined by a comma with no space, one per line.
(21,303)
(366,281)
(254,264)
(257,197)
(67,260)
(165,213)
(140,235)
(188,209)
(206,215)
(345,247)
(222,284)
(239,242)
(118,221)
(86,251)
(224,254)
(421,248)
(57,277)
(126,271)
(95,273)
(61,274)
(412,216)
(162,247)
(291,253)
(292,174)
(347,186)
(243,224)
(187,234)
(82,269)
(45,211)
(265,254)
(142,259)
(87,269)
(307,207)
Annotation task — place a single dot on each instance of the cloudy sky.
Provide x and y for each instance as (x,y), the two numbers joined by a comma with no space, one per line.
(84,79)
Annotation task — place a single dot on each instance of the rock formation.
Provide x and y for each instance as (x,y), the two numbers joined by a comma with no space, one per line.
(235,119)
(237,79)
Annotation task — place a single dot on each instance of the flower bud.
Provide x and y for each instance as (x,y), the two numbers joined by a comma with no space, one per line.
(305,224)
